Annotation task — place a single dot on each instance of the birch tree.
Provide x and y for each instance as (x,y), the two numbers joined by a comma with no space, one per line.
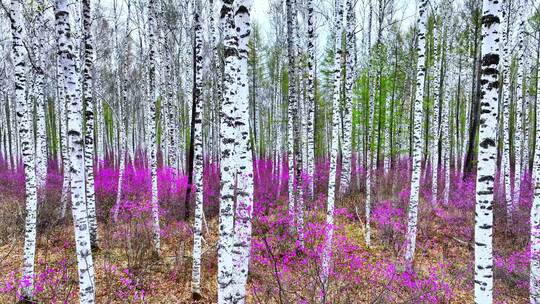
(39,65)
(292,103)
(347,111)
(518,134)
(151,123)
(487,153)
(434,131)
(89,119)
(370,117)
(19,53)
(71,74)
(534,280)
(336,74)
(198,153)
(505,122)
(412,217)
(244,170)
(227,162)
(311,96)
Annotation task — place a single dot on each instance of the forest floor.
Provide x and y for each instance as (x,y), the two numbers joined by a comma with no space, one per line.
(127,270)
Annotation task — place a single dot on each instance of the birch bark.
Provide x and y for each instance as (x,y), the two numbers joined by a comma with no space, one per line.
(76,149)
(19,53)
(336,74)
(417,134)
(487,153)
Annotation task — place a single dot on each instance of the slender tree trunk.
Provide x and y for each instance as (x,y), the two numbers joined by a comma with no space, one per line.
(445,122)
(151,123)
(76,146)
(369,126)
(19,54)
(347,112)
(197,153)
(228,156)
(61,104)
(535,216)
(506,58)
(41,133)
(417,134)
(434,126)
(311,97)
(474,113)
(336,73)
(89,118)
(487,153)
(244,173)
(520,82)
(292,104)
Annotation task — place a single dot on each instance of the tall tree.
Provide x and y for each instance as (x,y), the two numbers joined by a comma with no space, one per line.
(520,84)
(534,280)
(292,108)
(71,74)
(505,122)
(39,95)
(197,152)
(89,120)
(19,53)
(417,134)
(336,74)
(228,157)
(244,166)
(346,154)
(151,123)
(487,153)
(311,96)
(434,125)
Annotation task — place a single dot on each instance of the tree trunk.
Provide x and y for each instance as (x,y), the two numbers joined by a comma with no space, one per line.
(336,74)
(76,146)
(487,153)
(197,153)
(228,156)
(244,170)
(535,216)
(19,54)
(417,134)
(346,155)
(151,123)
(89,118)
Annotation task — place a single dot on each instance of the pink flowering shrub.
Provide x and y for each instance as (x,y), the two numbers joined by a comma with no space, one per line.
(281,266)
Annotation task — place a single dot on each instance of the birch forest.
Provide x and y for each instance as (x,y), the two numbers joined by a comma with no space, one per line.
(270,151)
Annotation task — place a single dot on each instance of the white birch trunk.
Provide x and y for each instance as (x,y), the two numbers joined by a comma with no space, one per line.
(244,170)
(534,282)
(370,123)
(39,65)
(506,58)
(336,74)
(62,122)
(434,132)
(197,154)
(292,105)
(518,133)
(76,146)
(151,122)
(417,134)
(311,97)
(228,158)
(445,124)
(19,54)
(89,118)
(487,153)
(346,154)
